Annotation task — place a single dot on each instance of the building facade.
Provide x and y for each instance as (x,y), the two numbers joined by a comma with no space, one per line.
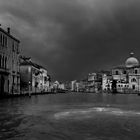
(9,63)
(106,82)
(34,78)
(127,77)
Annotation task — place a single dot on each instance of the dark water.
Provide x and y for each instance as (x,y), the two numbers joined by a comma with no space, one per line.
(71,117)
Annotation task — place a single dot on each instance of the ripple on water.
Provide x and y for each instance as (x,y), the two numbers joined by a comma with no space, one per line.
(91,112)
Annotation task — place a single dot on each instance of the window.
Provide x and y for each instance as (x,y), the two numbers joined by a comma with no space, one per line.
(13,79)
(116,72)
(17,48)
(5,62)
(136,71)
(124,72)
(133,80)
(13,47)
(45,79)
(5,42)
(133,87)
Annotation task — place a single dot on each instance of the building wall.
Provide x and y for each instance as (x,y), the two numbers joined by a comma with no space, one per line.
(128,81)
(25,77)
(34,78)
(9,62)
(106,82)
(45,83)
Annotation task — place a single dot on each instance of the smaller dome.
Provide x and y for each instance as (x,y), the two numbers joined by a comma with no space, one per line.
(131,61)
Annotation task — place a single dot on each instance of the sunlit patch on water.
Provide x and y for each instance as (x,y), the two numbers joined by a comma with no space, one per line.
(91,112)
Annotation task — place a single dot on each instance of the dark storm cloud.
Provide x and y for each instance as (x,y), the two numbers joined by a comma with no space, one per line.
(72,38)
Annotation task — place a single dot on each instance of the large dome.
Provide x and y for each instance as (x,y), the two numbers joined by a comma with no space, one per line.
(131,61)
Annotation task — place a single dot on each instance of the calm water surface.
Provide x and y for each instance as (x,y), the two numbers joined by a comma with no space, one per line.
(71,117)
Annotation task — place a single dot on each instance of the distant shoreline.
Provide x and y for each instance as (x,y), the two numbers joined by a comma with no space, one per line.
(7,96)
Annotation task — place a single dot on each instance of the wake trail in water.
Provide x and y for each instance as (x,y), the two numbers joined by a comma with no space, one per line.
(90,112)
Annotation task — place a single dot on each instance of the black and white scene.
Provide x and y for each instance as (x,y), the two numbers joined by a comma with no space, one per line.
(69,69)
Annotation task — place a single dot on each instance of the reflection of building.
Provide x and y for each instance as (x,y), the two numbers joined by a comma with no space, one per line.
(33,77)
(9,63)
(128,75)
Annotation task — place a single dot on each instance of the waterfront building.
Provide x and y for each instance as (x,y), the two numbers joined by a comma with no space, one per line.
(34,78)
(44,80)
(77,86)
(91,82)
(67,86)
(61,86)
(9,63)
(55,86)
(106,82)
(94,82)
(73,85)
(127,76)
(58,87)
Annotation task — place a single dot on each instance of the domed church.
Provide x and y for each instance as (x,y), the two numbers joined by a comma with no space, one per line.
(131,61)
(127,76)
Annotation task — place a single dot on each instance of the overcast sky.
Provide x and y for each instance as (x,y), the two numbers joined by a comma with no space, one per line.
(74,37)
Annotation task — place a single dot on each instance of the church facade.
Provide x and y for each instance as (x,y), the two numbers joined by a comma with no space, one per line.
(127,76)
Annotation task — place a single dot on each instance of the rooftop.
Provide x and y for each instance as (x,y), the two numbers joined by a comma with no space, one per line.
(8,34)
(27,61)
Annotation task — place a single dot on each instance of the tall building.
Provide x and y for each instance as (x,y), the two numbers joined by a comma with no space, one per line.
(127,77)
(9,63)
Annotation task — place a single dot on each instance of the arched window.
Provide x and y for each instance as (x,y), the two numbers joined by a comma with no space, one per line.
(2,61)
(5,62)
(116,72)
(133,80)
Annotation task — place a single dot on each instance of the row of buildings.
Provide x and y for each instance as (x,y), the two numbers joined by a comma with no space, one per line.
(19,74)
(123,79)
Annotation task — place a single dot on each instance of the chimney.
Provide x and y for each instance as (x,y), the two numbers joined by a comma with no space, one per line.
(8,30)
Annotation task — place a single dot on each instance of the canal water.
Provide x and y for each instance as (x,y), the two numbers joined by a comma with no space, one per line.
(78,116)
